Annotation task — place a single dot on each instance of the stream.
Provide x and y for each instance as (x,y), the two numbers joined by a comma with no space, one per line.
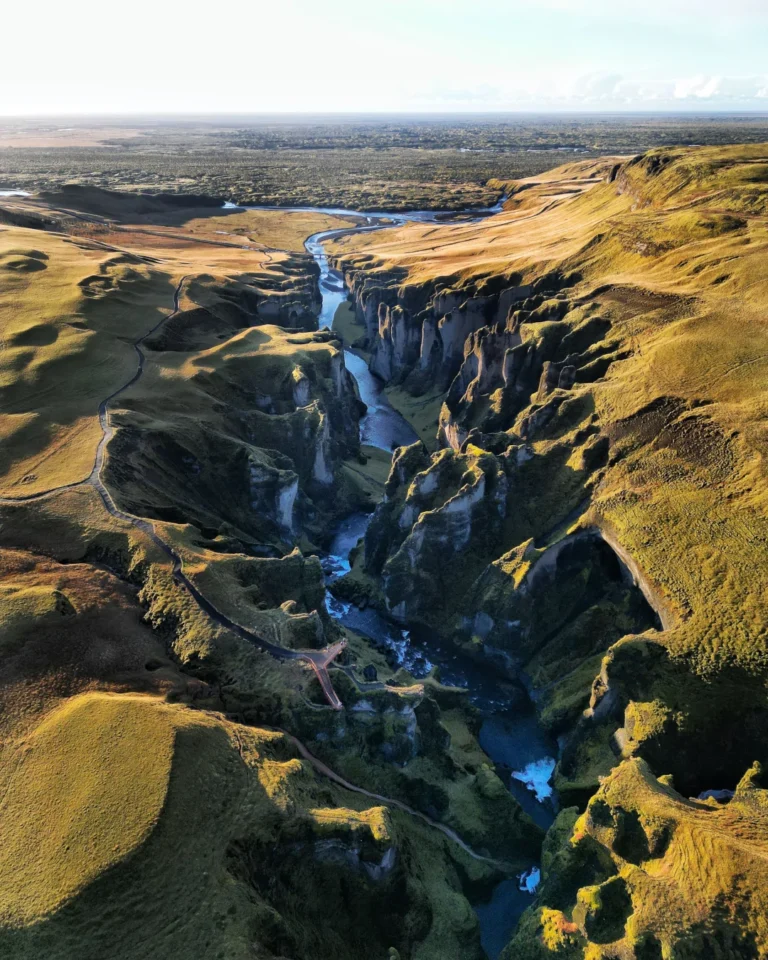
(512,738)
(523,753)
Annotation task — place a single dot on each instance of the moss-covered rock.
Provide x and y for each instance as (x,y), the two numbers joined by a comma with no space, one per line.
(667,874)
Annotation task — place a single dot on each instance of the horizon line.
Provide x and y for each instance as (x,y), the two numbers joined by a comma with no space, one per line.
(523,111)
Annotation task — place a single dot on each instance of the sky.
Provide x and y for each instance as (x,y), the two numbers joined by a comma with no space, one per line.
(252,56)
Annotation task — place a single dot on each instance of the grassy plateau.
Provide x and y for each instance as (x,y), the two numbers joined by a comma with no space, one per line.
(643,283)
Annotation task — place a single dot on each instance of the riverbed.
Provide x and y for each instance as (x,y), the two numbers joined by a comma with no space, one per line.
(523,753)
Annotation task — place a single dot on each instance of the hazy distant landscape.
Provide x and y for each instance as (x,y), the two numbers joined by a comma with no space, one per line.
(393,163)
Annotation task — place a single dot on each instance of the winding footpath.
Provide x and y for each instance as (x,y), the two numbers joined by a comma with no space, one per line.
(326,771)
(318,660)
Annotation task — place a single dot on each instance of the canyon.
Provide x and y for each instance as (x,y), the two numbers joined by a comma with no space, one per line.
(430,599)
(537,533)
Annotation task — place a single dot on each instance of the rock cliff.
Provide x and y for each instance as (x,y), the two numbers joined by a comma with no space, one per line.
(579,522)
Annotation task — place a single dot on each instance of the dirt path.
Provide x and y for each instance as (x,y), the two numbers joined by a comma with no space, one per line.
(318,660)
(326,771)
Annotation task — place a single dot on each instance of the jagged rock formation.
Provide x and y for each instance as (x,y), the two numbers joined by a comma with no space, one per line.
(261,423)
(419,332)
(434,512)
(291,299)
(621,883)
(592,431)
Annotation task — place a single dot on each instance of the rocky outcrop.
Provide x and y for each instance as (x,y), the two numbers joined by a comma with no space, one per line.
(434,513)
(533,358)
(350,856)
(273,493)
(288,295)
(452,544)
(294,299)
(493,345)
(420,331)
(266,417)
(606,878)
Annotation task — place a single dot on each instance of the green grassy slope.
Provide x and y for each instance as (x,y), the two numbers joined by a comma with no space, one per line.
(650,285)
(145,802)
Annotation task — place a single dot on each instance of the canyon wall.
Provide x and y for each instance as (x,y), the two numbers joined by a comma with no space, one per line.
(564,528)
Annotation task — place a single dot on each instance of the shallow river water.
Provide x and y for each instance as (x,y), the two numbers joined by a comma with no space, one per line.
(522,751)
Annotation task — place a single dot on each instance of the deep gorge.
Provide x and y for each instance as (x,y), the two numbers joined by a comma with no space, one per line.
(469,341)
(412,575)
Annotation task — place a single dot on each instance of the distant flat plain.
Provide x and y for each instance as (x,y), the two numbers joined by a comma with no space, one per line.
(357,162)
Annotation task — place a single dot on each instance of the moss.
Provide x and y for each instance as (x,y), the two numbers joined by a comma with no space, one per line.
(349,328)
(589,756)
(602,911)
(545,933)
(421,411)
(640,832)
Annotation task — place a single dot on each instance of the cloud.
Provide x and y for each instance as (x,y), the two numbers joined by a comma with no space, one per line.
(599,89)
(485,92)
(721,88)
(596,86)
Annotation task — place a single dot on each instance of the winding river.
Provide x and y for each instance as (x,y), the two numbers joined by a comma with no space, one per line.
(522,752)
(512,738)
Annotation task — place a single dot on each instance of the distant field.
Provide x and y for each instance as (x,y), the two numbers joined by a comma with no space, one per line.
(358,163)
(279,230)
